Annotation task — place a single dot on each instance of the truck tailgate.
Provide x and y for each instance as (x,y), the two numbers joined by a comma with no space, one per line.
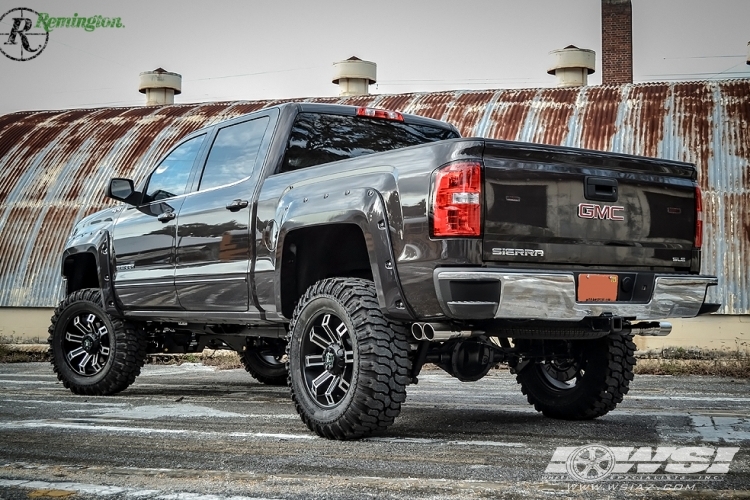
(553,205)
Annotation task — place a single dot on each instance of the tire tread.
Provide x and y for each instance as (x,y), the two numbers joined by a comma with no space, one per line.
(604,394)
(129,350)
(383,365)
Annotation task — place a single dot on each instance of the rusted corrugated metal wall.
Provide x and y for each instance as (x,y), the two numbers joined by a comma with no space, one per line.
(54,165)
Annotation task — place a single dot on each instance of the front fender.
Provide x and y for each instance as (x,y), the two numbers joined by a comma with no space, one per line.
(364,207)
(92,235)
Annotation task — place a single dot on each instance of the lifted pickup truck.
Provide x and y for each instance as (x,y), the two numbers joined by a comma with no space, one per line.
(338,249)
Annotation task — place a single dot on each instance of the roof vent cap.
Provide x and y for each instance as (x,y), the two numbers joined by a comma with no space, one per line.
(354,76)
(160,86)
(572,66)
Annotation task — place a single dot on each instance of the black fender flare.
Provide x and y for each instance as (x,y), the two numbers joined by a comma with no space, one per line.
(365,208)
(98,244)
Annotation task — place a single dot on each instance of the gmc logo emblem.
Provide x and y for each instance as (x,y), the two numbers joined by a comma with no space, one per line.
(593,211)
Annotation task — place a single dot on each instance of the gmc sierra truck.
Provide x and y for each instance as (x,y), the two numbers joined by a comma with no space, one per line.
(338,249)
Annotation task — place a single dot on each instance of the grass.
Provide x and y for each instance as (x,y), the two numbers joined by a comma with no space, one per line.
(222,360)
(680,361)
(735,368)
(8,355)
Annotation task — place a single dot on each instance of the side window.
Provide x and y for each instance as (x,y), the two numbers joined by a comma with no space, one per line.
(171,176)
(233,154)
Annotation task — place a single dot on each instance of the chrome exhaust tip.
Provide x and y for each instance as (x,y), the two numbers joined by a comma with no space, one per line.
(417,331)
(429,332)
(652,329)
(438,332)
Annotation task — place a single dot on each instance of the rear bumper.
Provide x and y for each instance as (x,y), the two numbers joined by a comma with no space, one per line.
(482,293)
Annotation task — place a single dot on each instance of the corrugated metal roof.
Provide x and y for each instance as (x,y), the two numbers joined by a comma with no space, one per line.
(54,164)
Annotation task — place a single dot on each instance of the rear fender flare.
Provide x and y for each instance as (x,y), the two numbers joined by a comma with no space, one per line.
(363,207)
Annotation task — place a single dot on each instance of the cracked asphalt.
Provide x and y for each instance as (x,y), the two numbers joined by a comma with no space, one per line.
(191,432)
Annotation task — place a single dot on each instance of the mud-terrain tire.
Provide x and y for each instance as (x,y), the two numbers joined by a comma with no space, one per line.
(93,354)
(583,388)
(348,365)
(264,362)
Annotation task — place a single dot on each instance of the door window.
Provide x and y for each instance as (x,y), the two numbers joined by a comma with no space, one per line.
(233,154)
(171,176)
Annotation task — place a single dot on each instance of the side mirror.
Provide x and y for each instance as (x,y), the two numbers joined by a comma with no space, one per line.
(122,190)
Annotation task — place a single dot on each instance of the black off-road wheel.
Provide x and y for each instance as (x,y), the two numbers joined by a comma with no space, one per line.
(348,365)
(93,354)
(265,361)
(586,385)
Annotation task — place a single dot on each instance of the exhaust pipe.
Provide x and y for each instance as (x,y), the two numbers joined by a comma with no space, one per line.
(417,331)
(437,332)
(652,329)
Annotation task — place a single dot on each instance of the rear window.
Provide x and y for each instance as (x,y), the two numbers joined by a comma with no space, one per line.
(319,138)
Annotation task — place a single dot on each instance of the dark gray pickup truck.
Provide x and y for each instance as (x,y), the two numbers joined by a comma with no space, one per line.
(339,249)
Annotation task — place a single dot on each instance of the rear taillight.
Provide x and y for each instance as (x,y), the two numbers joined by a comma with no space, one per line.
(380,113)
(698,217)
(457,200)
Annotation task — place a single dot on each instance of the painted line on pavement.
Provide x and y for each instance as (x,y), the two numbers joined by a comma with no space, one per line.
(101,490)
(82,426)
(46,424)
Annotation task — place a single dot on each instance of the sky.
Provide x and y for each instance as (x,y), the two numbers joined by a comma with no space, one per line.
(261,49)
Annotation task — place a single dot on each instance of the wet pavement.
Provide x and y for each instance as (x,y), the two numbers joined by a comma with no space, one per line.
(191,432)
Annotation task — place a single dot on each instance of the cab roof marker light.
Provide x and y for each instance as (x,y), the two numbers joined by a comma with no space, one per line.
(380,113)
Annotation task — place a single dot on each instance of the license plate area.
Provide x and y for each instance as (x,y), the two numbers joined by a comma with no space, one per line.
(597,287)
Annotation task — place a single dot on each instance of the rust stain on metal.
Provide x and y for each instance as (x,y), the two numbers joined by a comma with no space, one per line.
(396,102)
(467,111)
(648,116)
(432,105)
(554,110)
(598,118)
(509,113)
(692,111)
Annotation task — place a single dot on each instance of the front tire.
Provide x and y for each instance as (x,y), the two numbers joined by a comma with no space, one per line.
(588,384)
(348,365)
(93,354)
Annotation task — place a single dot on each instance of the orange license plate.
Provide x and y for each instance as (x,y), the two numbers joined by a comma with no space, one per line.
(597,287)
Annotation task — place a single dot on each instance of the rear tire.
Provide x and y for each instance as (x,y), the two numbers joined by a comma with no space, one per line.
(348,365)
(93,354)
(588,385)
(264,361)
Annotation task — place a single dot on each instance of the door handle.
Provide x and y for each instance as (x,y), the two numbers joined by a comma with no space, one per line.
(166,216)
(237,205)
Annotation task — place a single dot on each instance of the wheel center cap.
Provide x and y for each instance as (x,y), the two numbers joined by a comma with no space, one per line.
(90,344)
(333,359)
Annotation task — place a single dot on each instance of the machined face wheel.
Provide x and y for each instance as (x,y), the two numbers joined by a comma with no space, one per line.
(86,344)
(348,365)
(327,358)
(92,353)
(562,374)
